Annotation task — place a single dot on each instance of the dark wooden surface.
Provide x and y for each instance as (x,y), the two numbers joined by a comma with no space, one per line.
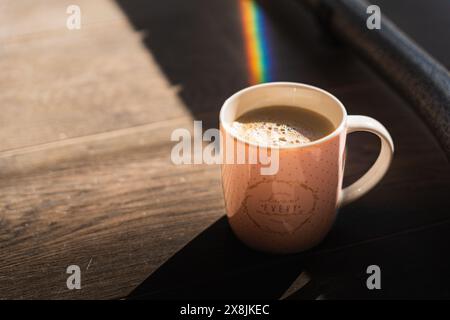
(86,176)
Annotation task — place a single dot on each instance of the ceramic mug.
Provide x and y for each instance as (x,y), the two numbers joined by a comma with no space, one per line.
(293,209)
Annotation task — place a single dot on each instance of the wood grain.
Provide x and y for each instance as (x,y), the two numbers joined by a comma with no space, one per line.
(105,195)
(121,210)
(76,83)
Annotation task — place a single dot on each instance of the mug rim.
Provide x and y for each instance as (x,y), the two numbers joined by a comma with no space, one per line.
(241,92)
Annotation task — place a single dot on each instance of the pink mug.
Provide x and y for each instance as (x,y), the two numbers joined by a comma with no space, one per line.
(293,209)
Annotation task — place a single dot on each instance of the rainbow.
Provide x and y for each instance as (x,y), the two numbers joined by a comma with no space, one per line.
(256,47)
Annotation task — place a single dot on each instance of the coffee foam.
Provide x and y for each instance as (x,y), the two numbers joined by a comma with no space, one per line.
(271,133)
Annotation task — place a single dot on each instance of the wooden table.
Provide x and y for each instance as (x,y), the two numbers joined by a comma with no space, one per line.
(86,177)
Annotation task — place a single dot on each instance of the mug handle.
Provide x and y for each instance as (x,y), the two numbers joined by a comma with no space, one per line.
(378,169)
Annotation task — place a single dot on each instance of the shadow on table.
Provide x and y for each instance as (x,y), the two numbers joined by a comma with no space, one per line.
(198,46)
(216,265)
